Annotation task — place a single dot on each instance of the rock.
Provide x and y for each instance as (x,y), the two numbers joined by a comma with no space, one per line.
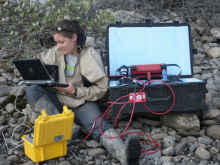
(133,134)
(8,76)
(173,15)
(94,144)
(2,99)
(181,148)
(181,158)
(76,131)
(159,136)
(15,80)
(100,43)
(205,141)
(96,152)
(206,46)
(166,159)
(198,59)
(200,30)
(214,150)
(197,70)
(194,33)
(181,121)
(215,32)
(213,44)
(200,50)
(136,124)
(193,147)
(206,39)
(18,91)
(169,141)
(206,76)
(213,132)
(27,111)
(13,158)
(197,76)
(209,122)
(123,16)
(29,163)
(210,84)
(216,101)
(65,163)
(217,81)
(192,133)
(2,119)
(208,97)
(4,162)
(203,162)
(12,121)
(209,114)
(214,52)
(3,81)
(4,90)
(10,108)
(169,151)
(216,20)
(202,153)
(122,124)
(149,122)
(2,128)
(153,155)
(16,73)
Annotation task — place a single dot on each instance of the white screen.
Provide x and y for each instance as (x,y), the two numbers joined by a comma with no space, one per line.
(150,45)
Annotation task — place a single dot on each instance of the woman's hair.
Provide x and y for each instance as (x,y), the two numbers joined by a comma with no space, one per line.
(67,28)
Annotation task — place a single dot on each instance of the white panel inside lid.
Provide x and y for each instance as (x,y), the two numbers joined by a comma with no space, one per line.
(150,45)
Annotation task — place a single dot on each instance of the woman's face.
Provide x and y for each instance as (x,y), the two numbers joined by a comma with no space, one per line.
(67,45)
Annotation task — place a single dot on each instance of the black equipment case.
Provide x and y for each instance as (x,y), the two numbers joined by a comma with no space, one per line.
(151,44)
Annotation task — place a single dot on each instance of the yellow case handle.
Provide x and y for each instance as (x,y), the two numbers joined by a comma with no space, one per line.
(44,114)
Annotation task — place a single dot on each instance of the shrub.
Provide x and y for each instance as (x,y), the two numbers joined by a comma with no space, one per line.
(25,25)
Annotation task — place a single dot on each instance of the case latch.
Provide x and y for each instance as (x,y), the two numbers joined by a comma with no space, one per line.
(193,86)
(148,22)
(118,22)
(194,51)
(176,22)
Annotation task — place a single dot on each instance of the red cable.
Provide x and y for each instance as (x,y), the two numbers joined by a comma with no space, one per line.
(153,142)
(122,133)
(92,128)
(174,99)
(103,117)
(125,103)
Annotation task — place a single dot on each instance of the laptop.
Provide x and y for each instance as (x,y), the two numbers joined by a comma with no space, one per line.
(33,72)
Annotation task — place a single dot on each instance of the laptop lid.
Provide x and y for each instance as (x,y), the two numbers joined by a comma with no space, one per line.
(32,69)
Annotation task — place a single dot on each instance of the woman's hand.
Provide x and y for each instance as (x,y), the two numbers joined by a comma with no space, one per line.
(68,90)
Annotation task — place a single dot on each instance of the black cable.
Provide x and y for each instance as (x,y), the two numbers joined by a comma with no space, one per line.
(177,66)
(135,87)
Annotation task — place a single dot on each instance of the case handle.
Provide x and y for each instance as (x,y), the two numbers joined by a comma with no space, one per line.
(150,99)
(44,114)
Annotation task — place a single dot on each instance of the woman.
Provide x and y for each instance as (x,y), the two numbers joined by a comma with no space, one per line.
(77,60)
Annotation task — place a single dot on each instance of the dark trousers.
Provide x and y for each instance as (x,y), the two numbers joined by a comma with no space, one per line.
(85,114)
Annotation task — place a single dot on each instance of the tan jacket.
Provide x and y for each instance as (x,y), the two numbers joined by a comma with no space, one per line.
(89,65)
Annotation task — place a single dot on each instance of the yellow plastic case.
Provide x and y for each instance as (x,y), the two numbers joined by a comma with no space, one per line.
(50,136)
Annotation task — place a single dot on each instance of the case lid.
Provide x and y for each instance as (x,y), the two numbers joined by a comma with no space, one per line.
(139,44)
(54,128)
